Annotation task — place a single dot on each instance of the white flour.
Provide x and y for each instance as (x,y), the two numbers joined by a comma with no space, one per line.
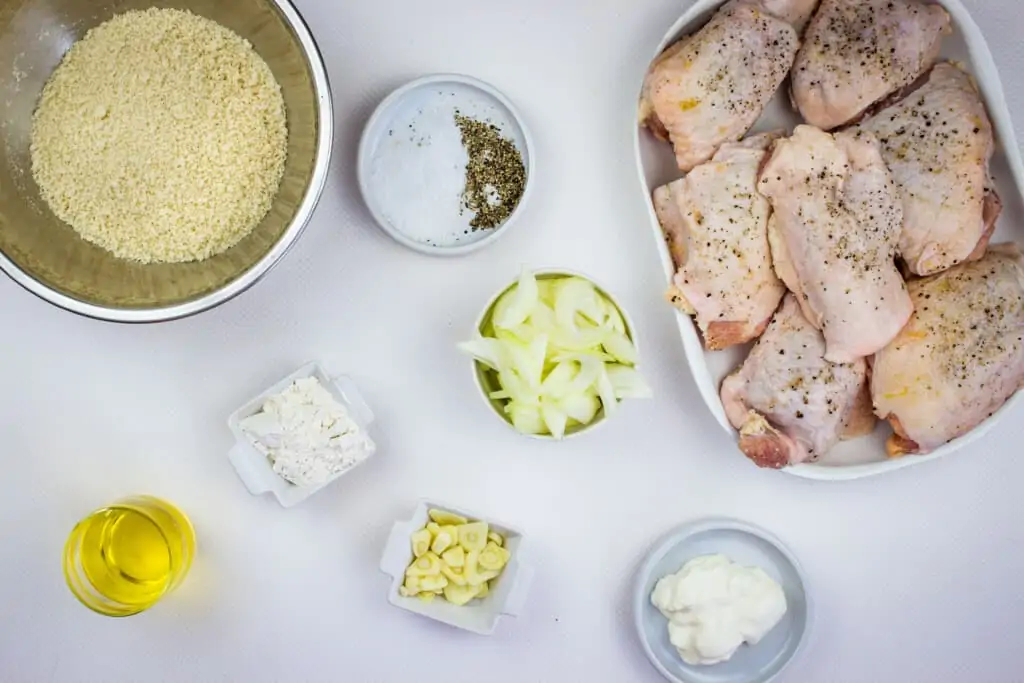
(307,435)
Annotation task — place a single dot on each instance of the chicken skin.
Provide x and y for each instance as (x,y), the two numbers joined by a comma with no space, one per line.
(715,222)
(833,237)
(789,404)
(959,358)
(710,88)
(937,144)
(795,12)
(856,52)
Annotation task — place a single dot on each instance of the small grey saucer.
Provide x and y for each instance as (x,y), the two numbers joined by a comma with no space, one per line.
(745,544)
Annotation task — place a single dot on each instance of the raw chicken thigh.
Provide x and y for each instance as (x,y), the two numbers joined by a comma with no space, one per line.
(856,52)
(937,144)
(796,12)
(959,358)
(833,237)
(789,403)
(715,222)
(710,87)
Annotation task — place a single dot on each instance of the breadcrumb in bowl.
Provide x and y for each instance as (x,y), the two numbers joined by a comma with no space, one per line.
(224,246)
(161,137)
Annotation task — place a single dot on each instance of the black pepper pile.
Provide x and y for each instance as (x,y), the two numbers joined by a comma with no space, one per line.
(495,173)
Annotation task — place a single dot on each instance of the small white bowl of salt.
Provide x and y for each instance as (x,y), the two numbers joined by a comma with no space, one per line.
(445,164)
(300,435)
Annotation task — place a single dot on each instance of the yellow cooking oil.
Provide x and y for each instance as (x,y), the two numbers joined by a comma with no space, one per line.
(123,558)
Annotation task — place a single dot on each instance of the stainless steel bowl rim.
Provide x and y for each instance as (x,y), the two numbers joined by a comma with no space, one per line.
(318,178)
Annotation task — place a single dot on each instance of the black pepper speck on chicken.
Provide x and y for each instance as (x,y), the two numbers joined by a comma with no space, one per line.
(716,223)
(833,235)
(710,88)
(789,404)
(857,52)
(959,358)
(937,144)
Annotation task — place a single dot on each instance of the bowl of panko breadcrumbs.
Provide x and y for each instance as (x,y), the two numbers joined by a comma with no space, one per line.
(156,162)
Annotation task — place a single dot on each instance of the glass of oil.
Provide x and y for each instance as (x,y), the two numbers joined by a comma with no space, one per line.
(121,559)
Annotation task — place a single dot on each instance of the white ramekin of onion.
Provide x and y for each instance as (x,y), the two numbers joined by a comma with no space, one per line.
(554,354)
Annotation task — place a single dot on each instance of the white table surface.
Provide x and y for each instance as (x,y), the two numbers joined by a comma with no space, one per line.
(916,574)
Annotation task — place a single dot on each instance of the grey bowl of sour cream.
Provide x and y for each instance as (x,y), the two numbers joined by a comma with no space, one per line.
(744,544)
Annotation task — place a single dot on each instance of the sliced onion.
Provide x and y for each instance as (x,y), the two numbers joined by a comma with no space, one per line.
(561,351)
(542,318)
(581,407)
(554,417)
(527,360)
(586,378)
(520,304)
(526,419)
(558,383)
(512,335)
(546,290)
(486,350)
(590,353)
(578,339)
(614,319)
(518,390)
(501,307)
(577,296)
(606,392)
(621,349)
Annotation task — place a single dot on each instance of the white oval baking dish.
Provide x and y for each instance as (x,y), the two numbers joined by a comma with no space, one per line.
(656,166)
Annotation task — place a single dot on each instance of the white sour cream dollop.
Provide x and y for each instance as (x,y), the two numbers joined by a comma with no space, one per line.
(714,605)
